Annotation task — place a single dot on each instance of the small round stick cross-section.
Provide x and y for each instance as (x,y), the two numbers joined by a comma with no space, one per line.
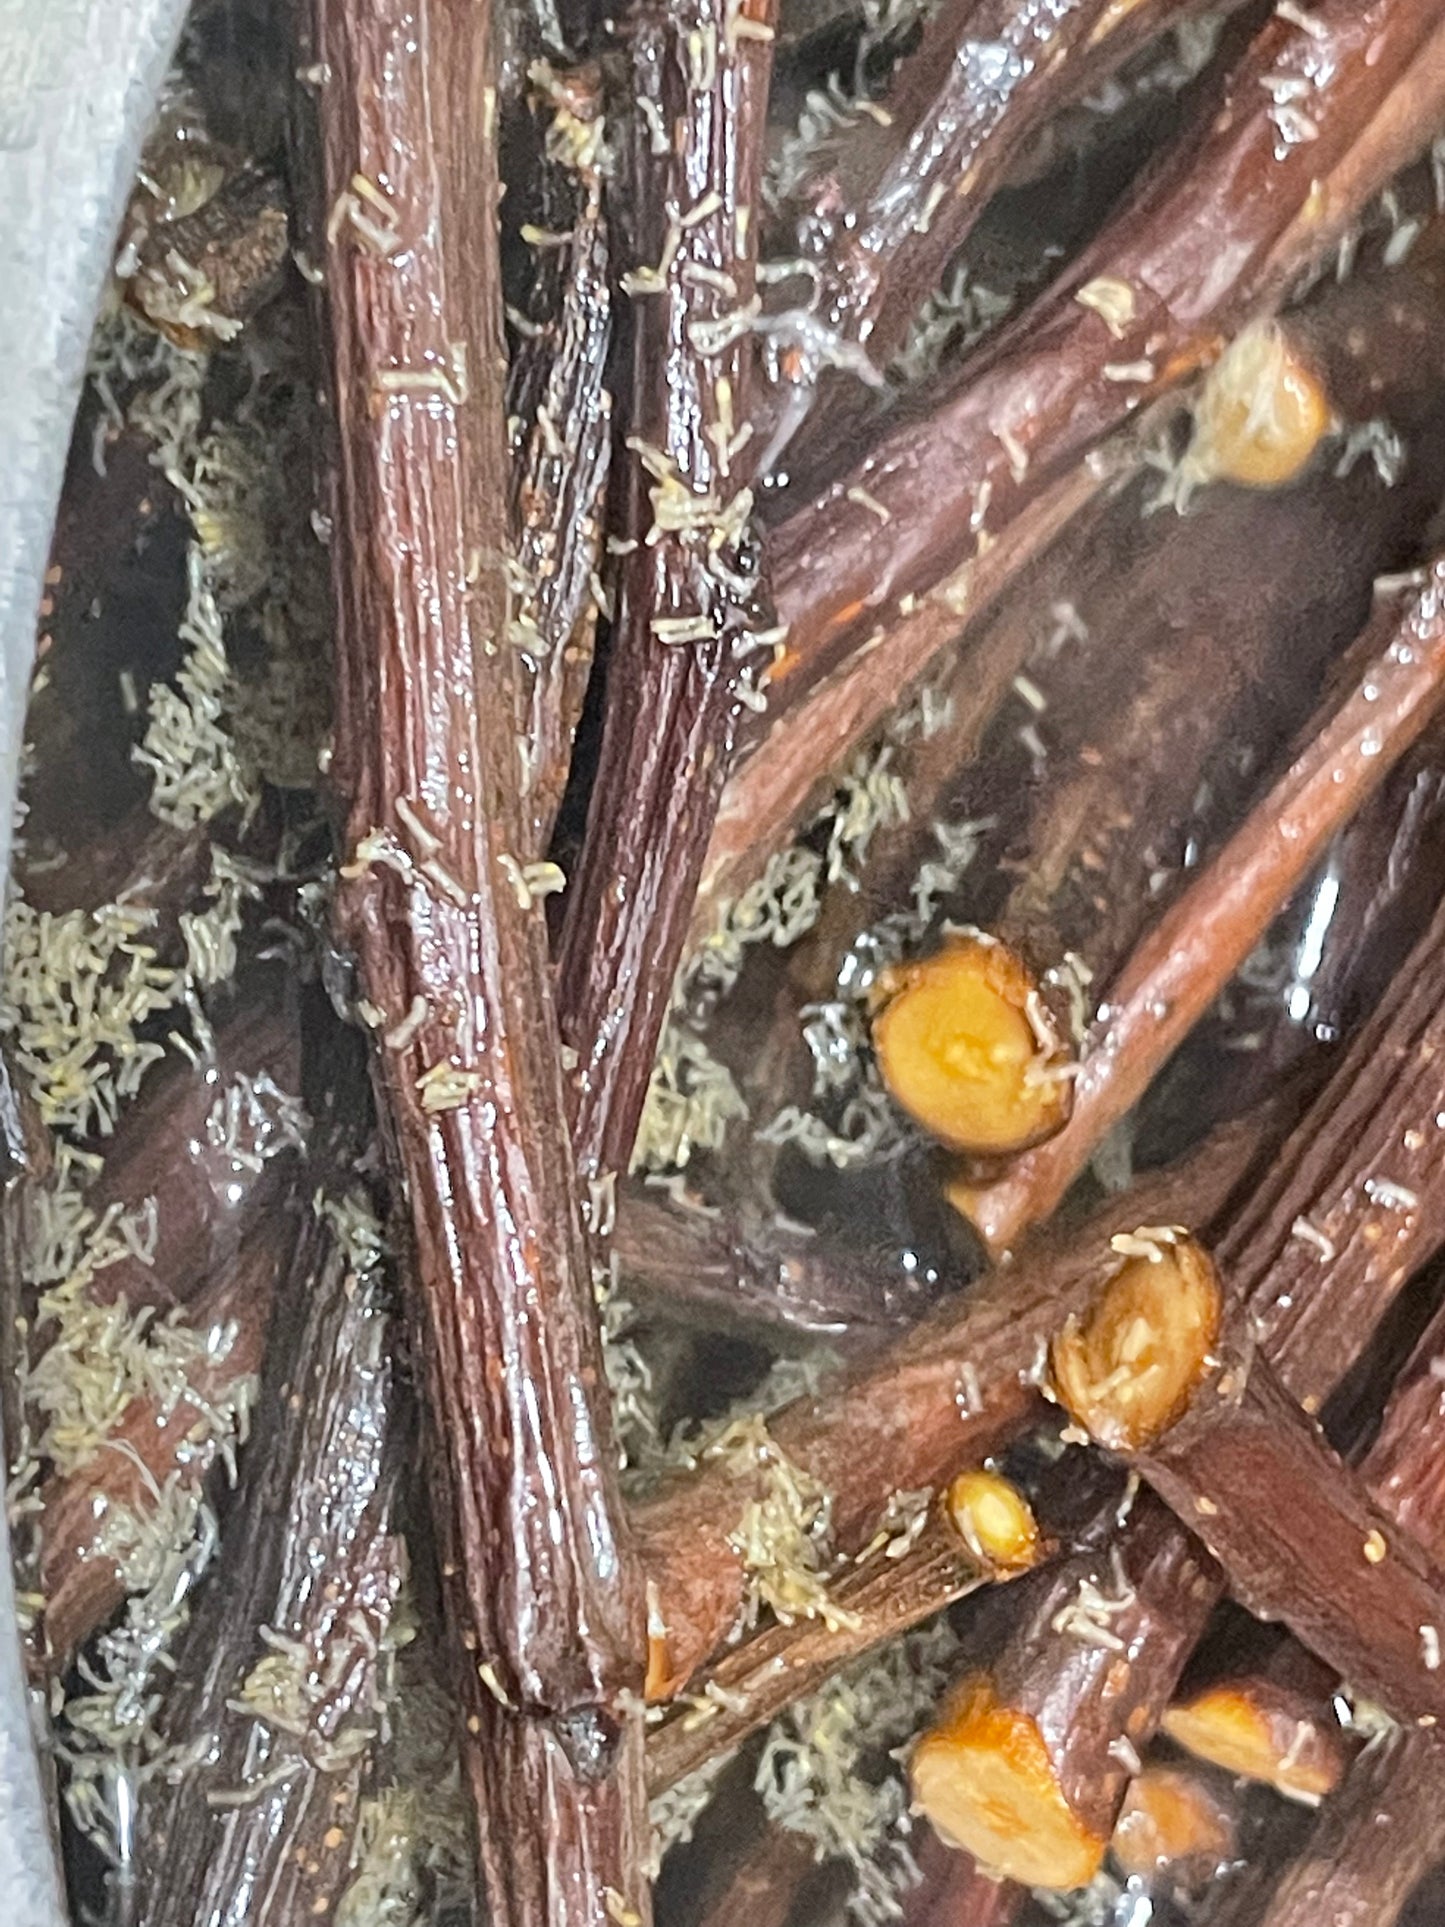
(1261,414)
(994,1520)
(1126,1370)
(1172,1823)
(967,1046)
(1264,1731)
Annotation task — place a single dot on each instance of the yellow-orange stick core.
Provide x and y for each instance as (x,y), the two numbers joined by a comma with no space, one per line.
(967,1047)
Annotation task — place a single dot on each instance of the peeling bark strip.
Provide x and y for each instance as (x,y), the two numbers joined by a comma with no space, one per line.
(450,939)
(559,482)
(957,474)
(684,642)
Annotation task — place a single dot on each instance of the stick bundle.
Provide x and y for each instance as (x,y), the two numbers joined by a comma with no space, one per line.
(638,534)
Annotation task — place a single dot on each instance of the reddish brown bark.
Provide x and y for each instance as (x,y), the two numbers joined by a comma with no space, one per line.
(839,568)
(1299,1536)
(1195,948)
(453,950)
(941,1398)
(279,1672)
(1386,1828)
(688,604)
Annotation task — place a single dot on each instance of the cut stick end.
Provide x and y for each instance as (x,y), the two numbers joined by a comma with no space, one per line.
(983,1778)
(1126,1371)
(1261,415)
(1265,1733)
(994,1520)
(1171,1822)
(967,1047)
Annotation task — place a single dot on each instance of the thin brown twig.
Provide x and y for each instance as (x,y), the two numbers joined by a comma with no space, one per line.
(689,622)
(1386,1828)
(954,1389)
(279,1676)
(1160,651)
(875,1599)
(1299,1536)
(150,1446)
(916,521)
(1196,947)
(907,186)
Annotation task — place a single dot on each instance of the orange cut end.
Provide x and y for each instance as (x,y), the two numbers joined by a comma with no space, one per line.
(994,1520)
(1262,414)
(1170,1820)
(966,1047)
(983,1777)
(1263,1734)
(659,1684)
(1127,1370)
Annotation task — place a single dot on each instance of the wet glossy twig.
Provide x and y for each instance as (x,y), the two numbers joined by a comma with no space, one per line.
(216,1152)
(875,1599)
(961,1383)
(1386,1827)
(151,1448)
(960,471)
(447,922)
(984,76)
(730,1269)
(689,615)
(1347,1211)
(1043,396)
(281,1674)
(1208,654)
(215,1155)
(1195,948)
(560,474)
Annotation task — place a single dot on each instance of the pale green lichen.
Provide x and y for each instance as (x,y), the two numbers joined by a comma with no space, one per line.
(830,1771)
(84,1005)
(412,1858)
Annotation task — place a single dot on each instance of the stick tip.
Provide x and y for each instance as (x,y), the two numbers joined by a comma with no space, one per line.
(1127,1369)
(983,1777)
(1261,415)
(1171,1821)
(1264,1732)
(994,1520)
(967,1046)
